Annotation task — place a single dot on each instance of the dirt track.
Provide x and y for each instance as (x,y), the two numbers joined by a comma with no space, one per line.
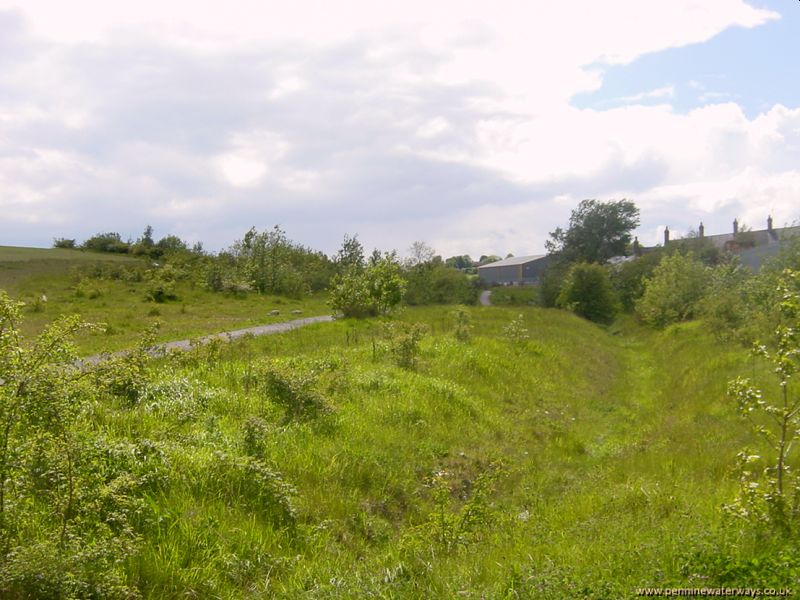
(225,336)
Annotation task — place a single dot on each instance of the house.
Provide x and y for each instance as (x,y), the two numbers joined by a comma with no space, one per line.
(752,247)
(517,270)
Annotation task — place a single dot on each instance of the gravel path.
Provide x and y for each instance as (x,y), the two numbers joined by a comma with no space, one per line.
(485,301)
(225,336)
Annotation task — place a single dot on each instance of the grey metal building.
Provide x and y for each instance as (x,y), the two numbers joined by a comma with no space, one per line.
(517,270)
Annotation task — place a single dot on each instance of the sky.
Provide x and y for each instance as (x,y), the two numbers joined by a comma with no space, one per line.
(475,127)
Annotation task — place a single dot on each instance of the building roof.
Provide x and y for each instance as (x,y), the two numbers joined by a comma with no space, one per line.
(760,237)
(514,261)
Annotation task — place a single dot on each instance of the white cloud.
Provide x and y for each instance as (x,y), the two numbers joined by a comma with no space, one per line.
(337,117)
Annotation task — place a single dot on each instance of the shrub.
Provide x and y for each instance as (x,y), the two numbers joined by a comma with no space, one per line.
(293,389)
(436,283)
(587,292)
(106,242)
(516,331)
(87,289)
(373,291)
(726,306)
(629,278)
(463,325)
(771,495)
(551,281)
(63,243)
(403,342)
(66,510)
(674,291)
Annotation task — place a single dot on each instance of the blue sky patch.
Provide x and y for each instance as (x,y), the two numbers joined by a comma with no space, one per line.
(755,68)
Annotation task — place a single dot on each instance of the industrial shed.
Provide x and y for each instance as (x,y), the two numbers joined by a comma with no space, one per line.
(517,270)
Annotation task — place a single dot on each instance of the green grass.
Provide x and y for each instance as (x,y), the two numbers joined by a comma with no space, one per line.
(515,296)
(31,274)
(582,462)
(9,254)
(610,451)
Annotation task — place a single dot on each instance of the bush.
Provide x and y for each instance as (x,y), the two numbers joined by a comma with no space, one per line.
(63,243)
(674,291)
(629,278)
(587,292)
(293,389)
(403,341)
(436,283)
(726,306)
(106,242)
(374,291)
(551,281)
(463,325)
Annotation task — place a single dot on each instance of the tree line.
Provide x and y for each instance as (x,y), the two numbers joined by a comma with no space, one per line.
(269,262)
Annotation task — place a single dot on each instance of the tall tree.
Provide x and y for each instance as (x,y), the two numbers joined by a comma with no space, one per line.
(350,255)
(597,231)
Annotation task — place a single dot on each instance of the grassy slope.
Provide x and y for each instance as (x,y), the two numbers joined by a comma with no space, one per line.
(515,296)
(29,273)
(615,450)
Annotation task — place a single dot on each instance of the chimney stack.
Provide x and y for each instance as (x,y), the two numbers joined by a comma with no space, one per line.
(769,223)
(666,235)
(735,226)
(702,230)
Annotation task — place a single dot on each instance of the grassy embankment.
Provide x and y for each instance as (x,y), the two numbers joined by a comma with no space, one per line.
(581,463)
(27,274)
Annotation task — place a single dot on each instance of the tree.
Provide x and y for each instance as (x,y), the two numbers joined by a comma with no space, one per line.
(147,237)
(597,231)
(587,292)
(420,253)
(350,255)
(373,291)
(459,262)
(674,291)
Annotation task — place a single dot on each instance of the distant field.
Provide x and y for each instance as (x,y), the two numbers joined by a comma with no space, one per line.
(18,254)
(33,274)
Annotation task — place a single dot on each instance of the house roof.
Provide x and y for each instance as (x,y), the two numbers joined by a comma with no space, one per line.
(514,261)
(760,237)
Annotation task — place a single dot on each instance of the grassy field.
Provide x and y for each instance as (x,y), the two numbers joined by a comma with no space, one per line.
(60,276)
(12,254)
(579,462)
(541,456)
